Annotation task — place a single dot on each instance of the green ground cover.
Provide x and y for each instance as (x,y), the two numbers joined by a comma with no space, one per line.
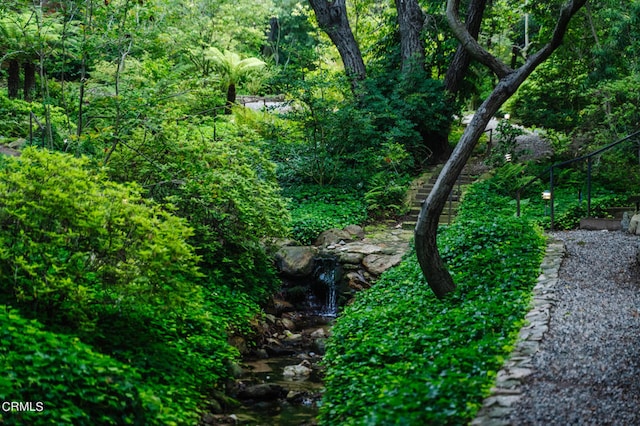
(400,356)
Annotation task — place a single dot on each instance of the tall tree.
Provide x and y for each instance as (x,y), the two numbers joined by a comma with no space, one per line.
(432,265)
(462,58)
(411,20)
(332,18)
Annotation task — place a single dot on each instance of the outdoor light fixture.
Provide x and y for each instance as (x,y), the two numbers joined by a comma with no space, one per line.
(546,195)
(507,116)
(507,158)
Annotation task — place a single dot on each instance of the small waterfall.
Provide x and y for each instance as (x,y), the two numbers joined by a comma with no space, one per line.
(324,291)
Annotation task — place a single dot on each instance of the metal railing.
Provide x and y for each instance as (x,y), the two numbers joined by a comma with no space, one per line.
(588,157)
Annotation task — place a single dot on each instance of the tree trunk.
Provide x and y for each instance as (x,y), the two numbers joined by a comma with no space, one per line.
(411,20)
(29,80)
(332,18)
(462,58)
(231,98)
(13,81)
(432,265)
(272,48)
(455,76)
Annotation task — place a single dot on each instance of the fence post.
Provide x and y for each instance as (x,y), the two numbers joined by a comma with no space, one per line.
(552,211)
(589,187)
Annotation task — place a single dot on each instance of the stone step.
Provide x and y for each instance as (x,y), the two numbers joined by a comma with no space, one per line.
(450,210)
(597,224)
(455,200)
(453,207)
(411,224)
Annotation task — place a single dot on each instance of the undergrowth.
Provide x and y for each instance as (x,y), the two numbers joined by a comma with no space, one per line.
(399,355)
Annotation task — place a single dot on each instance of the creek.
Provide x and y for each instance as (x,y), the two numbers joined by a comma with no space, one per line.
(281,384)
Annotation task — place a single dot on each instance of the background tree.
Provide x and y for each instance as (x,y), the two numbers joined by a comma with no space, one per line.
(232,69)
(433,267)
(332,18)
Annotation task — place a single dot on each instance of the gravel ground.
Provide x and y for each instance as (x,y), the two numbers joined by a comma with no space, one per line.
(587,369)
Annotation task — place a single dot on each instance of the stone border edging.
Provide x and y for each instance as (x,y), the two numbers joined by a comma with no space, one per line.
(507,389)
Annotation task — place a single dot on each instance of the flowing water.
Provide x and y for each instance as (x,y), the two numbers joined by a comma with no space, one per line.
(323,294)
(300,395)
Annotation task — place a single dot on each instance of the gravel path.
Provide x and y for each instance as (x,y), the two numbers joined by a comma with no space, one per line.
(586,371)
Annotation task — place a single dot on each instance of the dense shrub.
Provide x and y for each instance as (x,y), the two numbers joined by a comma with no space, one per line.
(70,241)
(15,122)
(93,259)
(68,382)
(219,180)
(400,356)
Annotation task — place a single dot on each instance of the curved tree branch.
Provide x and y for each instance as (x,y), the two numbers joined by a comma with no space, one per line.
(433,267)
(471,44)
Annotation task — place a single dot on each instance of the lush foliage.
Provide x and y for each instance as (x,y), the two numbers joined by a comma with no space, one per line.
(71,241)
(215,175)
(72,382)
(93,259)
(400,356)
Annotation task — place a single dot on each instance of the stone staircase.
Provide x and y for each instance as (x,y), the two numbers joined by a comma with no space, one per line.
(420,194)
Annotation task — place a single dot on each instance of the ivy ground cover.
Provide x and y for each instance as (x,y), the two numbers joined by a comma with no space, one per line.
(400,356)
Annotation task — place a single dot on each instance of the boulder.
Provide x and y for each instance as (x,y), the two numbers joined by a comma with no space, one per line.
(262,392)
(318,333)
(633,224)
(332,237)
(350,258)
(356,231)
(376,264)
(292,337)
(356,281)
(626,220)
(296,262)
(288,324)
(360,247)
(301,370)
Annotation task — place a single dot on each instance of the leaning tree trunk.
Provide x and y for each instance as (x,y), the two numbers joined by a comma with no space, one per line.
(433,267)
(332,18)
(13,81)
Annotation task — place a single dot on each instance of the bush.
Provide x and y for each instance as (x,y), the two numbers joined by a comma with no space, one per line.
(14,123)
(400,356)
(218,179)
(67,382)
(386,195)
(93,259)
(70,241)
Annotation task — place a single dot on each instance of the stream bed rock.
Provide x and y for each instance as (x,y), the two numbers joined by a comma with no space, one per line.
(279,381)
